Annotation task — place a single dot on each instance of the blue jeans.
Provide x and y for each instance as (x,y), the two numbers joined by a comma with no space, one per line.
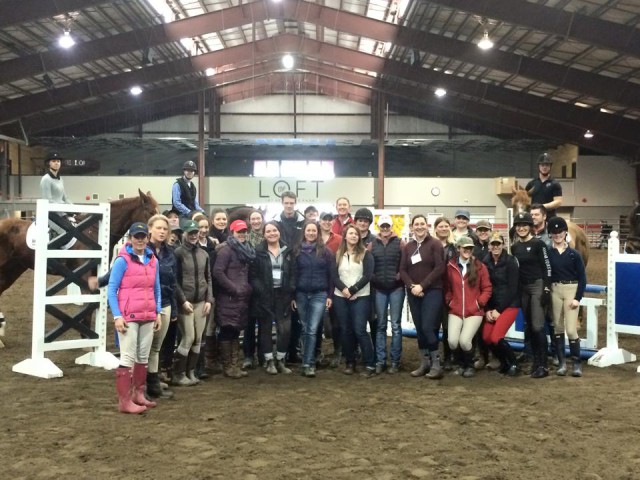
(354,316)
(393,300)
(426,313)
(311,307)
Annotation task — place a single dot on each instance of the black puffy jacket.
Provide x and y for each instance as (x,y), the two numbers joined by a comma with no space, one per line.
(261,279)
(505,279)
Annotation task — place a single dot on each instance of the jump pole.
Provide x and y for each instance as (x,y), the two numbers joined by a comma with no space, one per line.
(38,365)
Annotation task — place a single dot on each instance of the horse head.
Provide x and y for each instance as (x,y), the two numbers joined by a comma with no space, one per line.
(126,211)
(521,200)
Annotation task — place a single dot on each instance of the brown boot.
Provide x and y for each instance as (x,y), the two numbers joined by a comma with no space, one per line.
(225,353)
(235,356)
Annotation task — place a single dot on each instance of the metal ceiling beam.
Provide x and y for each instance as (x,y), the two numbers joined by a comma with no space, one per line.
(14,12)
(605,88)
(593,31)
(139,39)
(604,124)
(119,103)
(509,118)
(248,88)
(116,122)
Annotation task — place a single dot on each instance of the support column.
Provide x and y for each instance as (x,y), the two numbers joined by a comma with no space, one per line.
(378,132)
(201,171)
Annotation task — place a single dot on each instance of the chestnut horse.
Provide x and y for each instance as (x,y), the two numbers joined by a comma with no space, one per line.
(521,202)
(16,257)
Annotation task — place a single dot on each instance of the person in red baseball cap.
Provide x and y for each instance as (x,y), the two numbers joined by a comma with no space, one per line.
(233,293)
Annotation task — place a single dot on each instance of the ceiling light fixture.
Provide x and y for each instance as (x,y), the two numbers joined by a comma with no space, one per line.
(287,61)
(209,72)
(440,92)
(136,90)
(485,43)
(66,40)
(588,134)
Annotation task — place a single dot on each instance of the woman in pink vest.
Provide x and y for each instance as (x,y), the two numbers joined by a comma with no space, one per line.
(134,299)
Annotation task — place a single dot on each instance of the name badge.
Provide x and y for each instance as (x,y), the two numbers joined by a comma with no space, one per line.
(416,258)
(277,274)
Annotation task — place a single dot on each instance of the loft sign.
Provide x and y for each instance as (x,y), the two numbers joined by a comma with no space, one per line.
(305,190)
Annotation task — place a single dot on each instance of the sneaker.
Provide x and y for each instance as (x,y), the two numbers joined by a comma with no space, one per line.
(513,371)
(394,368)
(469,372)
(349,370)
(271,368)
(369,372)
(540,372)
(309,372)
(562,370)
(380,367)
(247,363)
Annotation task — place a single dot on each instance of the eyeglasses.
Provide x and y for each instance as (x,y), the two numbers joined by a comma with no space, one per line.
(140,236)
(482,230)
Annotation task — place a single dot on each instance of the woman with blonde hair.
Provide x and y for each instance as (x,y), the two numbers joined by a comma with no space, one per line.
(353,270)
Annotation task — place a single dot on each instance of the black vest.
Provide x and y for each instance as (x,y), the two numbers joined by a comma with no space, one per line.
(187,193)
(387,264)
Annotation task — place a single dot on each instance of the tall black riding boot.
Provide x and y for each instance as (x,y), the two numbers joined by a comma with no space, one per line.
(574,349)
(539,347)
(497,352)
(509,356)
(562,364)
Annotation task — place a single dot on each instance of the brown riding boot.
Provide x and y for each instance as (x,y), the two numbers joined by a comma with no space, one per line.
(225,353)
(235,356)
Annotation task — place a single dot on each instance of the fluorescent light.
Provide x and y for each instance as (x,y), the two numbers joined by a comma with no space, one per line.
(136,90)
(580,104)
(606,110)
(588,134)
(66,40)
(387,47)
(287,61)
(209,72)
(187,43)
(440,92)
(485,43)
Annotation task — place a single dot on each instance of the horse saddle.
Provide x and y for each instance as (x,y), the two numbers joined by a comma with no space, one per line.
(32,239)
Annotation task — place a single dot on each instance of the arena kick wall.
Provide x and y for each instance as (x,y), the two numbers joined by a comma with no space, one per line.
(604,188)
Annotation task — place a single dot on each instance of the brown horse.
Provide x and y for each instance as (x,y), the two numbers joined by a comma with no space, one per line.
(521,202)
(632,243)
(16,257)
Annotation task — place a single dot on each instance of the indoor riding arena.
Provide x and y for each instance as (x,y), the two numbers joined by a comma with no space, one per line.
(371,112)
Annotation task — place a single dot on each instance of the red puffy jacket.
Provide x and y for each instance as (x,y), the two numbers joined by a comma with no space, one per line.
(459,293)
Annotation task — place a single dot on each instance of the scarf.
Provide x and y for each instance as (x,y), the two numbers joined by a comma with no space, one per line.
(244,250)
(220,235)
(307,247)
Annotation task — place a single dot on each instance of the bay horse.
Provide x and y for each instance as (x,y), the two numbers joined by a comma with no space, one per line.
(16,257)
(521,202)
(632,243)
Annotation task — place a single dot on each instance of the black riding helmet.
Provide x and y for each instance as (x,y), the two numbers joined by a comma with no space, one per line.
(557,225)
(545,158)
(190,165)
(523,218)
(52,156)
(365,214)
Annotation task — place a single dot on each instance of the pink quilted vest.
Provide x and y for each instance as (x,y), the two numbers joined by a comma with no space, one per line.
(136,297)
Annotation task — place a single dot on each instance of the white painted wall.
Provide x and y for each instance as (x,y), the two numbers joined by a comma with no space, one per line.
(606,183)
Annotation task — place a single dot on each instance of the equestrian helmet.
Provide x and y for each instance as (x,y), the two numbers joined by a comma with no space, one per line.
(545,158)
(52,156)
(365,214)
(190,165)
(523,217)
(557,225)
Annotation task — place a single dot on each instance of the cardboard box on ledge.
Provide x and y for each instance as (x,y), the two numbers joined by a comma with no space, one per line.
(505,185)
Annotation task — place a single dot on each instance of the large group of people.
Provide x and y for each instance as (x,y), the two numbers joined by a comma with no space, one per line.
(185,287)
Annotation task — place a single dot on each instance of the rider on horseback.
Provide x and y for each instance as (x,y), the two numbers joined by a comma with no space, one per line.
(183,193)
(545,189)
(52,189)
